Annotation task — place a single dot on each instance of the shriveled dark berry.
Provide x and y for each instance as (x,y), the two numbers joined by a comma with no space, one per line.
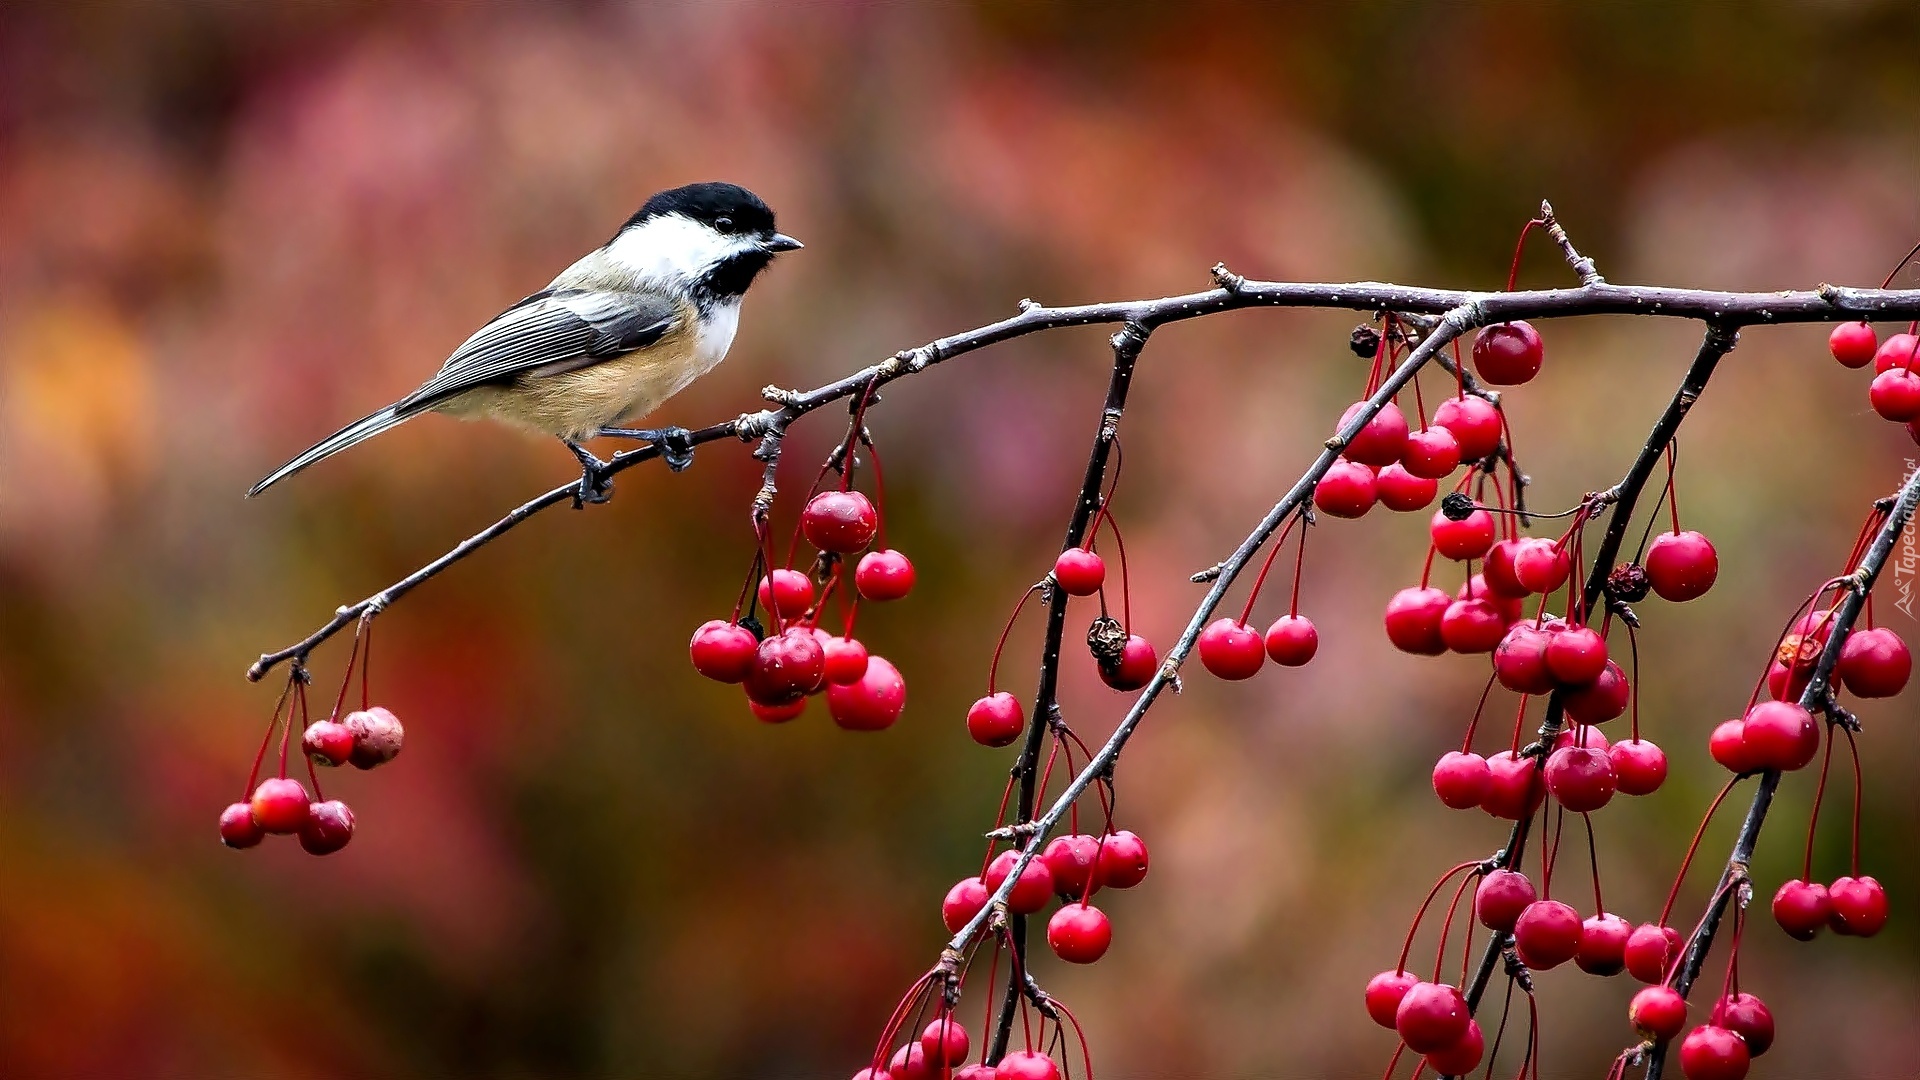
(1628,583)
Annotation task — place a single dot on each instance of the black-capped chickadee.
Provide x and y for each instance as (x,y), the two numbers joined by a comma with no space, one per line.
(615,335)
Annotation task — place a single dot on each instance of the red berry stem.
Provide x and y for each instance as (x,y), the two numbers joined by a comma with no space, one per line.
(1673,489)
(1519,246)
(1550,851)
(879,497)
(1424,904)
(1260,579)
(1899,266)
(1730,982)
(1394,1061)
(1519,723)
(1459,371)
(1813,817)
(253,775)
(898,1017)
(366,662)
(306,720)
(1466,744)
(1299,564)
(1446,924)
(993,667)
(1853,749)
(1086,1054)
(1126,583)
(1633,655)
(1673,893)
(1593,860)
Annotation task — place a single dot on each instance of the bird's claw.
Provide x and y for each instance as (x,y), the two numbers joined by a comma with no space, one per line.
(676,447)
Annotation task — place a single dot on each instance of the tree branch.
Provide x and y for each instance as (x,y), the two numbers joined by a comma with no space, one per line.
(1828,303)
(1812,699)
(1624,496)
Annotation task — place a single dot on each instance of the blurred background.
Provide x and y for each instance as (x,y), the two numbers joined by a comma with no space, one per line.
(225,229)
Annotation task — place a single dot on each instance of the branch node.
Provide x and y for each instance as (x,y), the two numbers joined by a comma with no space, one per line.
(1583,266)
(1028,304)
(1227,279)
(786,399)
(1211,573)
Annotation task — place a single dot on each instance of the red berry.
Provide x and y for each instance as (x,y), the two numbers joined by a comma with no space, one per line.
(1507,354)
(1547,934)
(1540,565)
(1681,566)
(1026,1065)
(1399,490)
(1079,933)
(1123,860)
(788,665)
(1431,453)
(1713,1053)
(777,714)
(1748,1017)
(1728,745)
(1780,735)
(1382,440)
(1475,425)
(1413,620)
(1461,779)
(1588,737)
(1384,992)
(377,737)
(976,1072)
(1476,588)
(328,743)
(1802,908)
(963,902)
(1468,538)
(1514,787)
(1346,491)
(910,1063)
(1895,395)
(1603,945)
(723,651)
(871,704)
(1651,950)
(839,521)
(1576,656)
(1899,350)
(1502,896)
(1472,626)
(1033,888)
(1462,1057)
(1874,663)
(996,720)
(237,827)
(1292,640)
(883,575)
(1072,861)
(1859,906)
(1080,572)
(1432,1016)
(1784,684)
(1853,344)
(945,1042)
(1498,571)
(873,1074)
(1600,701)
(1520,660)
(846,658)
(1137,664)
(1639,767)
(1231,650)
(1659,1012)
(328,827)
(788,593)
(1579,778)
(279,805)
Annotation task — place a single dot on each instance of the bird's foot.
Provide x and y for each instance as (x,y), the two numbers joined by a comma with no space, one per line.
(675,443)
(596,477)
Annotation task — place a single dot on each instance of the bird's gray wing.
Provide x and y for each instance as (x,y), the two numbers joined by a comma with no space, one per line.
(548,333)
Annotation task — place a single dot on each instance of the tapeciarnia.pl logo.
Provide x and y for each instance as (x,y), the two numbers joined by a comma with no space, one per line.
(1907,566)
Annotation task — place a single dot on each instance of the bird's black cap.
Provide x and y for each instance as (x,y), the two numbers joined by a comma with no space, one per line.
(729,208)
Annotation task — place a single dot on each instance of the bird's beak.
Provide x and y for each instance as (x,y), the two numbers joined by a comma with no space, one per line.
(779,242)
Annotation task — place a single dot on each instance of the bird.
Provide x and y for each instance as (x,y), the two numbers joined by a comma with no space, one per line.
(631,324)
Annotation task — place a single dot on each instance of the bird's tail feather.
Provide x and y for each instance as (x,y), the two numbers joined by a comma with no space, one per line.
(357,432)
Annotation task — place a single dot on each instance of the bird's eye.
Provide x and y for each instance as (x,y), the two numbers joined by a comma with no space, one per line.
(724,224)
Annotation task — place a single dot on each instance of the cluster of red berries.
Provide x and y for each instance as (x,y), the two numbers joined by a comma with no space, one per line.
(781,670)
(1070,867)
(1739,1029)
(940,1053)
(1895,390)
(364,738)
